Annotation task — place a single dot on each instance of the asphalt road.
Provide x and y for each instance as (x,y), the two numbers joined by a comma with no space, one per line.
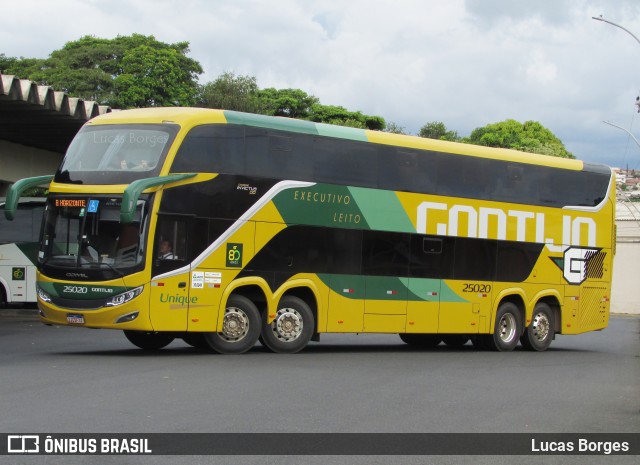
(60,379)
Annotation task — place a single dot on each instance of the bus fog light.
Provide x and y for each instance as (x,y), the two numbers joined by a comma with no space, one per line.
(124,297)
(128,317)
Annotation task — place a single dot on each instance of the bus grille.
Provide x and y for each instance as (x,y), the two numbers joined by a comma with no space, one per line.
(593,308)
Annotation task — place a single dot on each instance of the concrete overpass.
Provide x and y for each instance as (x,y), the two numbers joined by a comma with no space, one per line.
(36,127)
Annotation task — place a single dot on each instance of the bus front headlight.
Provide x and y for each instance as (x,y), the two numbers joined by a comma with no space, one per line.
(42,295)
(124,297)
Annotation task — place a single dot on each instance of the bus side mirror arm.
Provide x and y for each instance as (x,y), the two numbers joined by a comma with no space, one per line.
(133,191)
(16,190)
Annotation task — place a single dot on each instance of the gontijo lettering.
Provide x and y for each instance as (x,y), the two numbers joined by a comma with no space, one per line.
(438,218)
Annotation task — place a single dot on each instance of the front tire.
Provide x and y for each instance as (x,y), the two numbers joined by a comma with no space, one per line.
(148,340)
(540,333)
(292,328)
(240,327)
(507,329)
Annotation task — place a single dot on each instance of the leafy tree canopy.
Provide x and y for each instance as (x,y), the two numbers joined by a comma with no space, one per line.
(438,130)
(530,136)
(231,92)
(394,128)
(292,103)
(241,93)
(125,72)
(331,114)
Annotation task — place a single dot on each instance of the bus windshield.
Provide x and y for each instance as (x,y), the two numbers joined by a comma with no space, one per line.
(85,235)
(116,154)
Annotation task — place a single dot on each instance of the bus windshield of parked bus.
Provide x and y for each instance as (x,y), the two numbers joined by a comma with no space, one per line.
(116,154)
(86,234)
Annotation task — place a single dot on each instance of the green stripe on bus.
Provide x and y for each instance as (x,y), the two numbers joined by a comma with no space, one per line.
(390,288)
(295,125)
(81,291)
(331,130)
(269,122)
(382,210)
(321,205)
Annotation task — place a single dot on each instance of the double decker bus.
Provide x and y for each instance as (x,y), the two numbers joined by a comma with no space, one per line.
(18,251)
(225,228)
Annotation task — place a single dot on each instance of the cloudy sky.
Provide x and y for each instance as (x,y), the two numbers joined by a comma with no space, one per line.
(466,63)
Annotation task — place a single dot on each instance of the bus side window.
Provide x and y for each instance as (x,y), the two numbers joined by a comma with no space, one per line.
(431,257)
(170,245)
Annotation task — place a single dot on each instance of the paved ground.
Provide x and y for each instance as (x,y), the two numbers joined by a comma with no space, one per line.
(62,379)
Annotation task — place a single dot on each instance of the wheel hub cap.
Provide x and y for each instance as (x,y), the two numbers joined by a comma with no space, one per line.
(540,326)
(288,324)
(235,324)
(507,328)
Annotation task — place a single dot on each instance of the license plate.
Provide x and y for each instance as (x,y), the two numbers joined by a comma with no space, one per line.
(75,319)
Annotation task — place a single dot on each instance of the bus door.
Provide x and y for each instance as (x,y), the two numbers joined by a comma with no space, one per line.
(170,287)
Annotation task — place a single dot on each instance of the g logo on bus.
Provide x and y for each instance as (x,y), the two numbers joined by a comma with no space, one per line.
(580,263)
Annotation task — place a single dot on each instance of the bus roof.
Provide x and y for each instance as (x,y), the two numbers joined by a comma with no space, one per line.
(190,117)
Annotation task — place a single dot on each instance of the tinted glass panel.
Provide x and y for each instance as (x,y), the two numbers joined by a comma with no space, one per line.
(116,154)
(279,155)
(211,149)
(345,162)
(276,155)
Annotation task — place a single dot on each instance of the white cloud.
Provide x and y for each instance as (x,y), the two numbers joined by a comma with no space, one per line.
(466,63)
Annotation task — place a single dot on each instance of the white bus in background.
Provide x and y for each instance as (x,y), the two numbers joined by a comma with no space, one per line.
(18,251)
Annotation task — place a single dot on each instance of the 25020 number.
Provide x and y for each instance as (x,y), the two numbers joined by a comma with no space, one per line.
(75,290)
(479,288)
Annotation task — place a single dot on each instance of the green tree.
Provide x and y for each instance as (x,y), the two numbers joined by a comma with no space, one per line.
(292,103)
(231,92)
(530,136)
(331,114)
(438,130)
(125,72)
(394,128)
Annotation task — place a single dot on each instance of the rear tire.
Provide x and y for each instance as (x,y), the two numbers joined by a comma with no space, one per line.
(240,327)
(148,340)
(292,328)
(507,329)
(539,335)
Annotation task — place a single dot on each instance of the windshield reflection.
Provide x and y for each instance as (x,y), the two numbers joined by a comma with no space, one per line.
(87,235)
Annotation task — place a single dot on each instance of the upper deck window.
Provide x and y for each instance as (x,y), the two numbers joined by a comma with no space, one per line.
(116,154)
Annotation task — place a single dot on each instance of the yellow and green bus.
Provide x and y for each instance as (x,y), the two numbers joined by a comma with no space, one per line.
(224,228)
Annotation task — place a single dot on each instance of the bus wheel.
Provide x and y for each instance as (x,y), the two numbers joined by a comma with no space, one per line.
(240,327)
(539,334)
(455,340)
(292,327)
(507,329)
(148,340)
(421,340)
